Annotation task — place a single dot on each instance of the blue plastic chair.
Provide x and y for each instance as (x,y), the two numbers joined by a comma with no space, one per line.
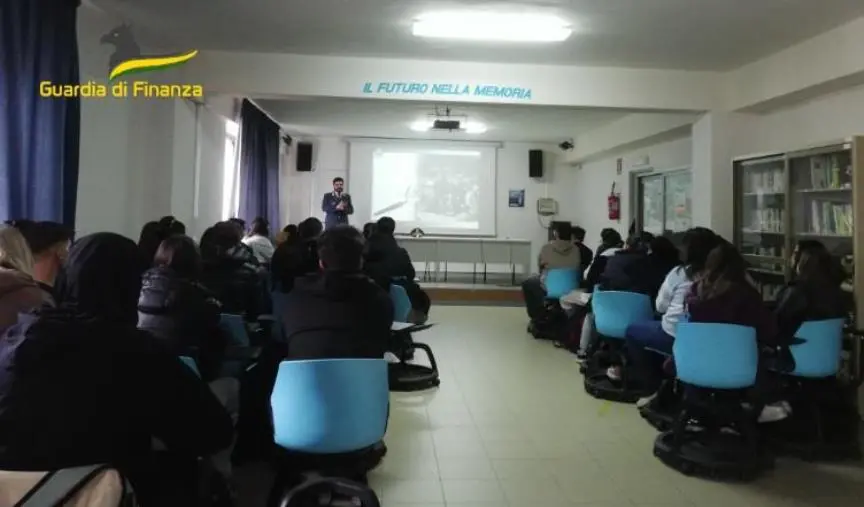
(188,361)
(615,310)
(716,356)
(561,281)
(330,406)
(235,327)
(401,303)
(819,355)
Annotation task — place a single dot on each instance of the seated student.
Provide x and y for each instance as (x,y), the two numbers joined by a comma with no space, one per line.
(19,292)
(586,256)
(663,257)
(241,250)
(611,242)
(258,240)
(619,272)
(671,303)
(386,262)
(294,259)
(558,253)
(235,282)
(171,226)
(174,307)
(149,240)
(289,233)
(369,229)
(815,293)
(339,313)
(80,385)
(49,242)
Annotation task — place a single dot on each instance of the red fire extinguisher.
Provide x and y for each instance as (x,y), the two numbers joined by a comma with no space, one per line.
(613,202)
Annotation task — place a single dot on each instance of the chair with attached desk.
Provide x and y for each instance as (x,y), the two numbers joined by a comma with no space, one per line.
(329,419)
(715,435)
(613,312)
(405,376)
(823,425)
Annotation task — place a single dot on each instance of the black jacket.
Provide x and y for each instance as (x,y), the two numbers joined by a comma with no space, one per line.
(386,260)
(801,301)
(237,285)
(77,391)
(184,315)
(291,260)
(618,274)
(586,256)
(336,315)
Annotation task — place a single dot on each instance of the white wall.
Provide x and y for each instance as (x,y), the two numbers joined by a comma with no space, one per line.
(140,158)
(593,183)
(822,120)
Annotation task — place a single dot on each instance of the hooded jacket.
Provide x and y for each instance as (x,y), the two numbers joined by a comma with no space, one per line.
(336,315)
(80,385)
(559,253)
(19,293)
(386,260)
(184,315)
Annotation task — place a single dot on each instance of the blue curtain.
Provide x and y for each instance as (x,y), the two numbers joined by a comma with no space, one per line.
(39,137)
(259,166)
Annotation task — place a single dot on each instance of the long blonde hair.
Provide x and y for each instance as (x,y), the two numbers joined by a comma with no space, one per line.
(14,251)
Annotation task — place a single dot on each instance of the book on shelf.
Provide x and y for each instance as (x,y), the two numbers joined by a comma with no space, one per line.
(826,173)
(765,181)
(768,220)
(827,217)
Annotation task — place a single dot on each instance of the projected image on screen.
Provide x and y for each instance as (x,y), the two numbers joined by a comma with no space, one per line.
(438,189)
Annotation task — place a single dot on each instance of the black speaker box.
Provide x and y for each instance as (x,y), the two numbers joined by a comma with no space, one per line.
(535,163)
(304,157)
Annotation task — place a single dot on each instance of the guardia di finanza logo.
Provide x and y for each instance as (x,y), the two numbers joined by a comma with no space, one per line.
(127,61)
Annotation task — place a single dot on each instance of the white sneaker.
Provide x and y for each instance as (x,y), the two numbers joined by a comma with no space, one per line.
(643,402)
(775,412)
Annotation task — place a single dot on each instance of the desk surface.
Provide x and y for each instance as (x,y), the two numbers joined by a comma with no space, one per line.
(462,239)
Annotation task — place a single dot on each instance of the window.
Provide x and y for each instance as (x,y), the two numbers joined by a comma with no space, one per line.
(664,202)
(230,178)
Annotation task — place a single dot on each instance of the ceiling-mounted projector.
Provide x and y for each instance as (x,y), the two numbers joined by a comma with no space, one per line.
(446,124)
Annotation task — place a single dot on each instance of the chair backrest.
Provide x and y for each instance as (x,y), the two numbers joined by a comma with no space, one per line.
(235,328)
(89,486)
(716,356)
(819,355)
(401,302)
(615,310)
(330,406)
(561,281)
(190,362)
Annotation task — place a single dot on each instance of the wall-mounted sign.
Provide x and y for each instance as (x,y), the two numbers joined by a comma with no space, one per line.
(390,88)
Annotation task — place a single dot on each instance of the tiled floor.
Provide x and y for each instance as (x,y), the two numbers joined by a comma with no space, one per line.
(512,426)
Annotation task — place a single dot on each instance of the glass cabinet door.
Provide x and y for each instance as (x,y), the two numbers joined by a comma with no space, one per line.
(679,216)
(652,204)
(822,201)
(761,212)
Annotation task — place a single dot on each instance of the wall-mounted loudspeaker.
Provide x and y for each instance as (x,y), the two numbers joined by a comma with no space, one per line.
(535,163)
(304,157)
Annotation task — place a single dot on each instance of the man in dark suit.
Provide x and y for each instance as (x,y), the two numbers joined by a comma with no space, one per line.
(336,205)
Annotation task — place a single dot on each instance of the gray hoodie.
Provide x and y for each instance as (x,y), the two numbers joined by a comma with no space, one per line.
(559,254)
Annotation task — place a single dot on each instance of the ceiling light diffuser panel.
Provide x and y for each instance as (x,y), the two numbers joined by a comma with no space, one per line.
(491,26)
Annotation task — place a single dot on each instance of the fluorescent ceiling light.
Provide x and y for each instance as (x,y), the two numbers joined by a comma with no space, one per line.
(491,26)
(421,126)
(473,127)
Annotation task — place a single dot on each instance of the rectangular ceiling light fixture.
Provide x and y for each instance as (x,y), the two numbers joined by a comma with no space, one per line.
(490,26)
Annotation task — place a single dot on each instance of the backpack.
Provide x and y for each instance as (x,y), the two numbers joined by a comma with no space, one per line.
(86,486)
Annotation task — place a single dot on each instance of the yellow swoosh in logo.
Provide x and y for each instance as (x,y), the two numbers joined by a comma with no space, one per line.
(147,64)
